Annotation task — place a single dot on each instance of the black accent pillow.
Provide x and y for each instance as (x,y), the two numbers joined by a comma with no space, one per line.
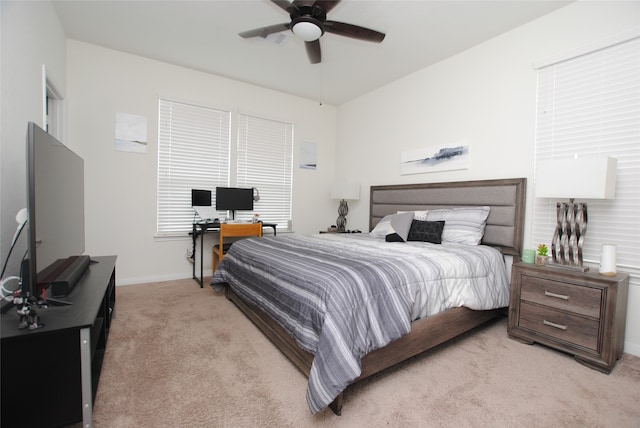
(393,237)
(426,231)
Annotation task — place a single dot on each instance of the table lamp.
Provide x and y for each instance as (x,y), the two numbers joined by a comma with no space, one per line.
(576,178)
(344,190)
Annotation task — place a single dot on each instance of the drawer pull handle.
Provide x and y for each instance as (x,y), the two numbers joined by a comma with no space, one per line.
(552,324)
(559,296)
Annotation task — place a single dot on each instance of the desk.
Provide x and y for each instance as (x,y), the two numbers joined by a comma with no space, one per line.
(200,229)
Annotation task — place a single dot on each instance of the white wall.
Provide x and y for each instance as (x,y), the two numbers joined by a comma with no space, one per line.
(121,187)
(31,36)
(485,96)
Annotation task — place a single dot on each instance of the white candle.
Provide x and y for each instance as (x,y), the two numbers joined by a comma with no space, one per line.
(608,259)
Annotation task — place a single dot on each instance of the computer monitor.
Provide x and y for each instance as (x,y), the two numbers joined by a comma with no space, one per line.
(200,198)
(233,199)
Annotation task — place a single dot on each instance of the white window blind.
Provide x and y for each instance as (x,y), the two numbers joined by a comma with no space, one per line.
(265,159)
(589,104)
(193,153)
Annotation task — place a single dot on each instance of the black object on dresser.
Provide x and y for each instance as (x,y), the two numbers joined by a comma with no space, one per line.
(581,313)
(50,375)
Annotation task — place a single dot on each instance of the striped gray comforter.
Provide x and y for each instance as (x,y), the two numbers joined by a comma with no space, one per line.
(343,296)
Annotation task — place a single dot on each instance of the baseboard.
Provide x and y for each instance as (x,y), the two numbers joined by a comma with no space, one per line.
(632,348)
(154,278)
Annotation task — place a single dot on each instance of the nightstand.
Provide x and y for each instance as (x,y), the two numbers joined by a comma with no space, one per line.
(581,313)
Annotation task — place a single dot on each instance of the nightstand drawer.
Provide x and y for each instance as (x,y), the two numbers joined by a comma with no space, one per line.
(568,297)
(560,325)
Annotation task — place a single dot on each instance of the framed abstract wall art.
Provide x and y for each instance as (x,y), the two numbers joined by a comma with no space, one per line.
(435,158)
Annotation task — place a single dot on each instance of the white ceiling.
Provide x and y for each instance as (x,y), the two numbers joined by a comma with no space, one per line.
(203,35)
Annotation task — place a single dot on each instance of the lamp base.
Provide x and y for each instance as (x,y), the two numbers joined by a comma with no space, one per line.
(341,221)
(575,268)
(568,237)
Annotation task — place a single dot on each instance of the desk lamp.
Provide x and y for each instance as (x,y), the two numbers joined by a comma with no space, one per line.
(582,178)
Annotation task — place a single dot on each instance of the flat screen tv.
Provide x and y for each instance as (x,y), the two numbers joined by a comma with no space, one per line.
(234,199)
(55,205)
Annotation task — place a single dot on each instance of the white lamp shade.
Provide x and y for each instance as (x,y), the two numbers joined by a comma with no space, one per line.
(345,190)
(307,31)
(577,178)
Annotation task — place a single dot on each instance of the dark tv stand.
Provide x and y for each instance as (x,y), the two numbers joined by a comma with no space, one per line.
(50,375)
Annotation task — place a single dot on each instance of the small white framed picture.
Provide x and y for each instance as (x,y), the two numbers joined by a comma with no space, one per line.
(131,133)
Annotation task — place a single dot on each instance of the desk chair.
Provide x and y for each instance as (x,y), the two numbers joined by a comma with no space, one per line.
(233,230)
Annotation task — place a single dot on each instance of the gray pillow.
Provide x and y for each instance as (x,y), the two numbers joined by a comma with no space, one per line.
(463,225)
(400,225)
(382,228)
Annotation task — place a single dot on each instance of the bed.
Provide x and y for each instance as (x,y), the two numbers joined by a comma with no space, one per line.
(336,344)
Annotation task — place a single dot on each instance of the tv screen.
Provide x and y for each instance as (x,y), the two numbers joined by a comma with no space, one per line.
(234,198)
(55,204)
(200,198)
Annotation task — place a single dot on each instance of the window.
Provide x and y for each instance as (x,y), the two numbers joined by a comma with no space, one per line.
(265,159)
(193,153)
(589,104)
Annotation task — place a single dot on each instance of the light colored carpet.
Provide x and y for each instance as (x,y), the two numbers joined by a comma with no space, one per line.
(181,356)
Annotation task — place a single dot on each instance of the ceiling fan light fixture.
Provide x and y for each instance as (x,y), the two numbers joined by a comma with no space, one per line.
(308,29)
(309,22)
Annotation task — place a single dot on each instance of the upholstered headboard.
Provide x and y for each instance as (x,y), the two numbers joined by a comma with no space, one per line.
(506,197)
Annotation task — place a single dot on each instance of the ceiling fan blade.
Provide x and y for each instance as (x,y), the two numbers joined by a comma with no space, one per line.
(353,31)
(265,31)
(327,5)
(313,51)
(283,4)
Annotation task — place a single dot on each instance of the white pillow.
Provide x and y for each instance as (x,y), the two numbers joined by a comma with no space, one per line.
(463,225)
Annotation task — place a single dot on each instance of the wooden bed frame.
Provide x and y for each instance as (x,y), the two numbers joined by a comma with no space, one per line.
(504,230)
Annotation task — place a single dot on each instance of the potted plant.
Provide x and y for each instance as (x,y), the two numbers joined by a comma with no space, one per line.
(542,254)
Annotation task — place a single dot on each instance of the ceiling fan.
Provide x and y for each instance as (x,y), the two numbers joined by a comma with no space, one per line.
(309,22)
